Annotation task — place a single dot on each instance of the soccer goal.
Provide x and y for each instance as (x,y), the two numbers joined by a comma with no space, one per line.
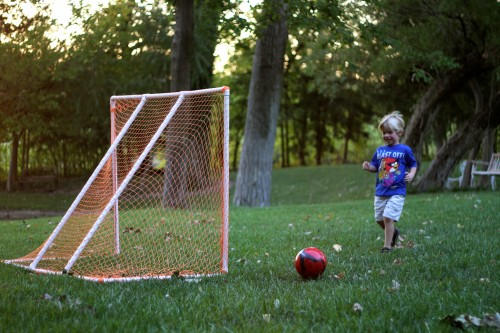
(157,203)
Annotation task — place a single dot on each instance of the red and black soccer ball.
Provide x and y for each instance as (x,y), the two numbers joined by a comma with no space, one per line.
(310,263)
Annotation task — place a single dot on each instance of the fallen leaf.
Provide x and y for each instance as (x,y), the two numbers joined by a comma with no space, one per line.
(462,321)
(395,286)
(491,320)
(397,261)
(276,303)
(473,320)
(266,317)
(357,308)
(337,247)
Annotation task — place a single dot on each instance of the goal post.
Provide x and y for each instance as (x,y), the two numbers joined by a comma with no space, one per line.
(114,175)
(123,225)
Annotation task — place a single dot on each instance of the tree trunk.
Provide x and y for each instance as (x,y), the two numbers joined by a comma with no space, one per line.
(458,144)
(426,109)
(175,178)
(320,133)
(253,182)
(287,141)
(466,178)
(182,46)
(14,151)
(300,128)
(25,153)
(346,147)
(488,142)
(285,149)
(236,149)
(282,143)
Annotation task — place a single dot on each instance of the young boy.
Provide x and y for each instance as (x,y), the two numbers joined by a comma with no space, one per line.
(396,166)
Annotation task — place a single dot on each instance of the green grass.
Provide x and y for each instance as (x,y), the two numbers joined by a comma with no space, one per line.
(59,201)
(449,264)
(305,185)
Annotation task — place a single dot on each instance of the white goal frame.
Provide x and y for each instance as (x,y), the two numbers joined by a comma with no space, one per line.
(117,190)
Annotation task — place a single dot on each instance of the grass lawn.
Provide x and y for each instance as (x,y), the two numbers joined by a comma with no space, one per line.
(448,264)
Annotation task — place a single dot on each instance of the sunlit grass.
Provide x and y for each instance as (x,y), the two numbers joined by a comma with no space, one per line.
(447,264)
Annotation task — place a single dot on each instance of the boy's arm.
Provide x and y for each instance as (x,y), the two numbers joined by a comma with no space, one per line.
(410,175)
(369,167)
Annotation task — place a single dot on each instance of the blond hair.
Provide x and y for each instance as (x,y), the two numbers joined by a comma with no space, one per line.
(393,121)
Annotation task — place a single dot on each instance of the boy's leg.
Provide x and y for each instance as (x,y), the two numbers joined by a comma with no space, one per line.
(381,224)
(389,232)
(379,206)
(395,236)
(392,212)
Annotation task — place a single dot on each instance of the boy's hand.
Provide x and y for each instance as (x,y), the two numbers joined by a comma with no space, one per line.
(410,175)
(367,166)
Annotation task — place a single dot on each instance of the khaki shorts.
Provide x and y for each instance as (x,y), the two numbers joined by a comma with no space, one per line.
(389,207)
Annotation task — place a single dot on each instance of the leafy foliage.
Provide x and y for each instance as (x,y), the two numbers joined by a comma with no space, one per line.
(347,63)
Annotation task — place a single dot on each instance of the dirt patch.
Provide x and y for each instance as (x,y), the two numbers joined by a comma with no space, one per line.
(26,214)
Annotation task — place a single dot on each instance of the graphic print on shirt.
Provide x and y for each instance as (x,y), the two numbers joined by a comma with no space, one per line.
(388,171)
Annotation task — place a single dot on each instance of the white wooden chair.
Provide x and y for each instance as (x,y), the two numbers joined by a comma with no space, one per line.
(459,179)
(492,170)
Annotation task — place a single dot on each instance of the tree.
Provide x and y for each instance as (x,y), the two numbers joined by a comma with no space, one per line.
(122,50)
(440,45)
(182,46)
(253,183)
(191,68)
(27,61)
(465,138)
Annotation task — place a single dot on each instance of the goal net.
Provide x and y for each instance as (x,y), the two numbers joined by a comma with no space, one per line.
(157,203)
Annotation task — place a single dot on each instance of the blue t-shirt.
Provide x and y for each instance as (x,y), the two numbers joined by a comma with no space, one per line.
(392,162)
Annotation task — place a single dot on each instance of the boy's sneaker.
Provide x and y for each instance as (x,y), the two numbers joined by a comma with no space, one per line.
(395,237)
(386,250)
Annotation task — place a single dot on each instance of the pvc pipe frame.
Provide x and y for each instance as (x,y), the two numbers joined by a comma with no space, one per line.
(225,213)
(187,278)
(114,176)
(113,201)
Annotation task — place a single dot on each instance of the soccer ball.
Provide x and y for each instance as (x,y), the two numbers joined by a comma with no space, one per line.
(310,263)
